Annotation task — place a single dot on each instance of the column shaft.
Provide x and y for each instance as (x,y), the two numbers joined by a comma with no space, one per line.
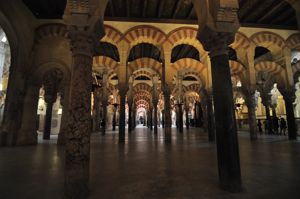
(78,137)
(290,116)
(180,118)
(155,118)
(48,118)
(167,117)
(122,118)
(211,125)
(226,133)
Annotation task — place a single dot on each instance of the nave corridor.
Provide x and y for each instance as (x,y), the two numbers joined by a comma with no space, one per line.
(145,167)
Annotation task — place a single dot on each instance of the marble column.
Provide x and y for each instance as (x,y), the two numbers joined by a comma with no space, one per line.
(266,101)
(167,114)
(77,149)
(226,132)
(27,134)
(211,125)
(114,121)
(48,118)
(130,115)
(180,118)
(155,116)
(251,104)
(151,118)
(289,98)
(187,122)
(104,108)
(163,118)
(122,116)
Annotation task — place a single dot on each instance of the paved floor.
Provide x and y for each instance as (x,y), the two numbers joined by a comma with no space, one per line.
(144,167)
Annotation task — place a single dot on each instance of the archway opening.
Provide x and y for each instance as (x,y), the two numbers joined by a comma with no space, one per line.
(5,62)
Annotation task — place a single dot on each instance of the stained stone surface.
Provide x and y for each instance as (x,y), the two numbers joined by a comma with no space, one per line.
(145,167)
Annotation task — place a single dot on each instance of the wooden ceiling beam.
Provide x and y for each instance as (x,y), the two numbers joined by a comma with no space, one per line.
(282,16)
(270,12)
(111,7)
(144,14)
(128,8)
(161,8)
(191,13)
(176,8)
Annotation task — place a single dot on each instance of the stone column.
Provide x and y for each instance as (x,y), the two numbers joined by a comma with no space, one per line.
(97,107)
(187,117)
(180,118)
(163,118)
(251,104)
(226,132)
(114,121)
(48,118)
(77,150)
(122,116)
(266,101)
(27,134)
(130,115)
(104,107)
(151,118)
(289,98)
(155,115)
(167,114)
(52,80)
(211,125)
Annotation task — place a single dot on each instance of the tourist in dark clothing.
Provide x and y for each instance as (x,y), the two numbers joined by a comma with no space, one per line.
(259,125)
(282,126)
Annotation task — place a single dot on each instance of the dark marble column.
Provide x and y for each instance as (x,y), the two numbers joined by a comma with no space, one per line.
(163,118)
(180,118)
(151,119)
(167,114)
(122,116)
(49,107)
(289,98)
(130,115)
(211,125)
(104,107)
(251,104)
(226,132)
(77,150)
(114,121)
(187,122)
(266,101)
(155,117)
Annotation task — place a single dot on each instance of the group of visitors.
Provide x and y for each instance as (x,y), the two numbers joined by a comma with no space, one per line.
(275,126)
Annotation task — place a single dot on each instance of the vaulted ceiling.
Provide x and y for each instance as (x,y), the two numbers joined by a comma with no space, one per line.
(270,13)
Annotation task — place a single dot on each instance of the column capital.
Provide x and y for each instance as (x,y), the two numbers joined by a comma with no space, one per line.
(82,42)
(217,42)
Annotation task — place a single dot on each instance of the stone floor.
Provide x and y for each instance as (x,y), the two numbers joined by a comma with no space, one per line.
(144,167)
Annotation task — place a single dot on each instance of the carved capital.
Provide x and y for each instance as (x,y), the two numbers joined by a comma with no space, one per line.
(82,42)
(216,42)
(51,81)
